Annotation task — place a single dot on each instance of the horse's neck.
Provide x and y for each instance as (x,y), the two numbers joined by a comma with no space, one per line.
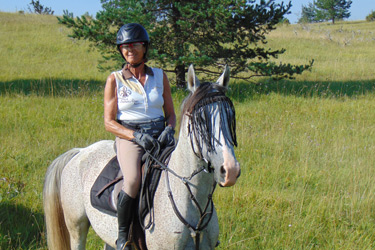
(184,162)
(183,159)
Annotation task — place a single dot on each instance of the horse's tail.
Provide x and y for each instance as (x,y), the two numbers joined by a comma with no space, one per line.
(57,232)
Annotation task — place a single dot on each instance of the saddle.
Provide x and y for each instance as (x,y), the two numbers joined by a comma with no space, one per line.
(105,190)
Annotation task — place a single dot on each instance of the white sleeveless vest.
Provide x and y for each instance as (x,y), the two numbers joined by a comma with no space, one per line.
(138,103)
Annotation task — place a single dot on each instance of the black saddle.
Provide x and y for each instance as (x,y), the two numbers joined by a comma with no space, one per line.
(104,192)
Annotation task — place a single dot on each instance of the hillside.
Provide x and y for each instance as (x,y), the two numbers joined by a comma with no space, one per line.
(36,47)
(342,52)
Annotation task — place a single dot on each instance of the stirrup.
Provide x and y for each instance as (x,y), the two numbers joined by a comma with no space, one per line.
(129,243)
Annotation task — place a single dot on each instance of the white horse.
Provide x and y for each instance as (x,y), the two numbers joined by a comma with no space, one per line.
(184,214)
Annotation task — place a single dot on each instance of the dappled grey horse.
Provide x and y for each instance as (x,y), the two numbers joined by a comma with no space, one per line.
(184,215)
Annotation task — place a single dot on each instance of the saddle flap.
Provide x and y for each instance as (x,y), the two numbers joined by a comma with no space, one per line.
(109,181)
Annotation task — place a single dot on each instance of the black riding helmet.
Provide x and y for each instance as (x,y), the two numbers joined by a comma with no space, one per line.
(131,33)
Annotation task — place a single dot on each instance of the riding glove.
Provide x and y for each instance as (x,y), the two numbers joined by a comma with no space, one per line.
(144,140)
(166,138)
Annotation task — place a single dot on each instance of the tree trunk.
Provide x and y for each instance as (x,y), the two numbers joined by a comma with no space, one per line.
(179,45)
(180,76)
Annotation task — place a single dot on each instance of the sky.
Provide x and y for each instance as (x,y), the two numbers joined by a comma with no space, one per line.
(359,9)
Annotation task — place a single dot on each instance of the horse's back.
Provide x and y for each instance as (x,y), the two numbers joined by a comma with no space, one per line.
(88,163)
(81,172)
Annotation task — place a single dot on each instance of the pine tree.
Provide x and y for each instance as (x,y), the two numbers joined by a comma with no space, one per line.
(332,9)
(206,33)
(308,14)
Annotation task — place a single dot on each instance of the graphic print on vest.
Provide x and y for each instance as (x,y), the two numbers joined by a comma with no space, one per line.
(125,96)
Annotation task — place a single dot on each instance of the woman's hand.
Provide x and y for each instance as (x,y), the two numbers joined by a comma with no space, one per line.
(166,138)
(144,140)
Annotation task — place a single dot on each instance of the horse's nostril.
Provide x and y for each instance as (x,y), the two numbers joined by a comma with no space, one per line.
(222,170)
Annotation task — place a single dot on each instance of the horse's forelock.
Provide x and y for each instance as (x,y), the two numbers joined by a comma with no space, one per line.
(193,98)
(197,107)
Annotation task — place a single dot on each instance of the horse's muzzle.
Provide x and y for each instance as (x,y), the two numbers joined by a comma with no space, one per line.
(230,173)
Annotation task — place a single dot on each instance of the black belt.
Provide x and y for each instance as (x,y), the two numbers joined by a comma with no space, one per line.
(153,127)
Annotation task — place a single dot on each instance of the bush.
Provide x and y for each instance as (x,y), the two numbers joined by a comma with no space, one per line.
(371,17)
(284,21)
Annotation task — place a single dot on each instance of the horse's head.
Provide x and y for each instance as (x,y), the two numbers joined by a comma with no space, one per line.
(211,126)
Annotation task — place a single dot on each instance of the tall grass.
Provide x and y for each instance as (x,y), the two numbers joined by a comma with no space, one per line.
(305,146)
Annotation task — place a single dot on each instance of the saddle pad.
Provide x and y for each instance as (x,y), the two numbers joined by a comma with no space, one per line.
(101,192)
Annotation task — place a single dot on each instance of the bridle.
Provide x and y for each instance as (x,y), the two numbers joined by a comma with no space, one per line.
(195,231)
(194,131)
(200,125)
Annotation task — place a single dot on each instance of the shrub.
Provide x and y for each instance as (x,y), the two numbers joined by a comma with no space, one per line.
(371,17)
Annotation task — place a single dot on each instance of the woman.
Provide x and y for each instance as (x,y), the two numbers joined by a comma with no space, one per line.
(138,109)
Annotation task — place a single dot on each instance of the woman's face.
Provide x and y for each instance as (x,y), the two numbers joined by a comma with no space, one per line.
(133,52)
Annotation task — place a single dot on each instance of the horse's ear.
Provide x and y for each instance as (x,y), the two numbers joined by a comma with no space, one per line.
(224,78)
(193,82)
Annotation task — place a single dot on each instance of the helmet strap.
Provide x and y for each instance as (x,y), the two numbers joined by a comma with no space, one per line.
(136,65)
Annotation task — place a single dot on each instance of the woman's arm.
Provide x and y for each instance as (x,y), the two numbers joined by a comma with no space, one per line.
(110,111)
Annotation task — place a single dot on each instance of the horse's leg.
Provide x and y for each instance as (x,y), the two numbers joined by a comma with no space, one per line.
(76,220)
(74,210)
(78,231)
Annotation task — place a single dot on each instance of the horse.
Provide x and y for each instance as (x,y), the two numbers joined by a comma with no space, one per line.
(184,216)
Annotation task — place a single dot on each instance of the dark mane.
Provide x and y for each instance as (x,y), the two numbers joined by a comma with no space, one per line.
(197,107)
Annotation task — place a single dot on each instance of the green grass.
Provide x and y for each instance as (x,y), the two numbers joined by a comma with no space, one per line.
(305,146)
(342,52)
(307,175)
(35,47)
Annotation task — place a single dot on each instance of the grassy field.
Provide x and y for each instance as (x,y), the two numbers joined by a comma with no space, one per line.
(306,147)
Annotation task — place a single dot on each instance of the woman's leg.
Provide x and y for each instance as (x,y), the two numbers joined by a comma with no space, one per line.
(129,156)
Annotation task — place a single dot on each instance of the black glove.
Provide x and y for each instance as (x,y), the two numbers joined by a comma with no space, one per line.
(166,138)
(144,140)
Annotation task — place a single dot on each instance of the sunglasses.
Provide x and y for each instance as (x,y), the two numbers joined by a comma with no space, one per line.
(128,46)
